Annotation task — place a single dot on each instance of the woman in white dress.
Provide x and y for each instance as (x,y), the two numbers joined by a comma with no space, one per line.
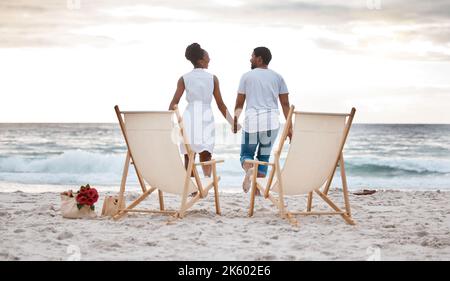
(200,86)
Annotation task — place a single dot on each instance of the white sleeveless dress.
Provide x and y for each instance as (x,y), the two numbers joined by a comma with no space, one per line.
(198,117)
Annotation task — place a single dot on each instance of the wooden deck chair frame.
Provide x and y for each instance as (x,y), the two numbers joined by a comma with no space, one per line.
(202,191)
(276,170)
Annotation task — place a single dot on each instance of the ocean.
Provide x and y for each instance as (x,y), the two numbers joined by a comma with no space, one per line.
(47,157)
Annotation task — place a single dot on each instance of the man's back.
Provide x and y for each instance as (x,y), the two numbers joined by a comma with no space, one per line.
(261,87)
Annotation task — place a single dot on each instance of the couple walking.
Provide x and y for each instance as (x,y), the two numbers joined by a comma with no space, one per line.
(261,88)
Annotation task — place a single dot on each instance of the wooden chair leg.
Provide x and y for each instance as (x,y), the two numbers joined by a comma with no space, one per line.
(344,186)
(336,208)
(310,197)
(134,204)
(216,189)
(253,191)
(161,200)
(280,189)
(186,185)
(328,184)
(124,180)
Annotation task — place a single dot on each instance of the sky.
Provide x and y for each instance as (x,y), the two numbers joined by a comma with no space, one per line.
(73,60)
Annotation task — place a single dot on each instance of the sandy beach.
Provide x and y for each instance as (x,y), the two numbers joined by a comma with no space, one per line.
(391,225)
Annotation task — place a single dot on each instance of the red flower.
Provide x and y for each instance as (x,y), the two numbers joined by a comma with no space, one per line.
(93,194)
(90,193)
(87,196)
(81,199)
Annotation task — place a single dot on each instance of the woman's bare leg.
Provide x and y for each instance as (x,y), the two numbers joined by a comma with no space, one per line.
(186,162)
(206,156)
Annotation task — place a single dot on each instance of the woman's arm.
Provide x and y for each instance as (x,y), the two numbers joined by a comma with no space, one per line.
(178,94)
(220,104)
(240,100)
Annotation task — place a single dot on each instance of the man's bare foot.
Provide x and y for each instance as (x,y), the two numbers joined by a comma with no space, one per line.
(247,180)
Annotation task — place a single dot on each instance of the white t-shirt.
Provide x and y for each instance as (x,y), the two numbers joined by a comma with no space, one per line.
(261,88)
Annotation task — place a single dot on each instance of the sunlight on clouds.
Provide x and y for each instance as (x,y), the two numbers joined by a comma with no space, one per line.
(229,3)
(373,30)
(389,41)
(155,12)
(133,55)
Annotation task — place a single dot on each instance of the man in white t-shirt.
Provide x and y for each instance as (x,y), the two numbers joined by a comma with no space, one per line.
(261,88)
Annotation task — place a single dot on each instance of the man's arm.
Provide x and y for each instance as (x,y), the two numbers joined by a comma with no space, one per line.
(284,101)
(240,100)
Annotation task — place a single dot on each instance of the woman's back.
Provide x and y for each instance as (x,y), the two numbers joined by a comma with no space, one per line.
(199,86)
(198,119)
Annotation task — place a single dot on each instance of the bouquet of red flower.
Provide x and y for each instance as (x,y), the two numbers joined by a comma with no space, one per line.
(79,204)
(87,196)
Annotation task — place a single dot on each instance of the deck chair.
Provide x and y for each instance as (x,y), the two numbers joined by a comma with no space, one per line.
(313,156)
(154,153)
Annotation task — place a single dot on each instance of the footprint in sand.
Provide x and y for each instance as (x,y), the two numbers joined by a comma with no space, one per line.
(266,257)
(64,235)
(19,230)
(422,233)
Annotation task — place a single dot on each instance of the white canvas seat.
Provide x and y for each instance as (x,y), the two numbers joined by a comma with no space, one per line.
(313,156)
(151,138)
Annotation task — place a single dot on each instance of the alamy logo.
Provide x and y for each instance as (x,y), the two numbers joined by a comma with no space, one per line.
(373,4)
(374,254)
(73,4)
(74,253)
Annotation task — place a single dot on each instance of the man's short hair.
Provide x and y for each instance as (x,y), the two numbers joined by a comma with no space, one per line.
(264,53)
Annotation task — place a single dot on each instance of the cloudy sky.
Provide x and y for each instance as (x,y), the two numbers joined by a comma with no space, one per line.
(73,60)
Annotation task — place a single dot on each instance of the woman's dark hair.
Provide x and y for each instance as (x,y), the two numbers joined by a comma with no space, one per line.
(264,53)
(194,53)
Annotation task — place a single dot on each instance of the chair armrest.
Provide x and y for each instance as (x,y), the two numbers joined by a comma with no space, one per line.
(210,162)
(259,162)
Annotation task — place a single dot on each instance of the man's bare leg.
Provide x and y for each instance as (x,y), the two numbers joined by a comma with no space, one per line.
(248,168)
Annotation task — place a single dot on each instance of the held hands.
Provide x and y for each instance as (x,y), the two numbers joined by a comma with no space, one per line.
(237,129)
(235,126)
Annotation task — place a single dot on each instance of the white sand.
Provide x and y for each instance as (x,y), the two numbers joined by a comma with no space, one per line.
(391,225)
